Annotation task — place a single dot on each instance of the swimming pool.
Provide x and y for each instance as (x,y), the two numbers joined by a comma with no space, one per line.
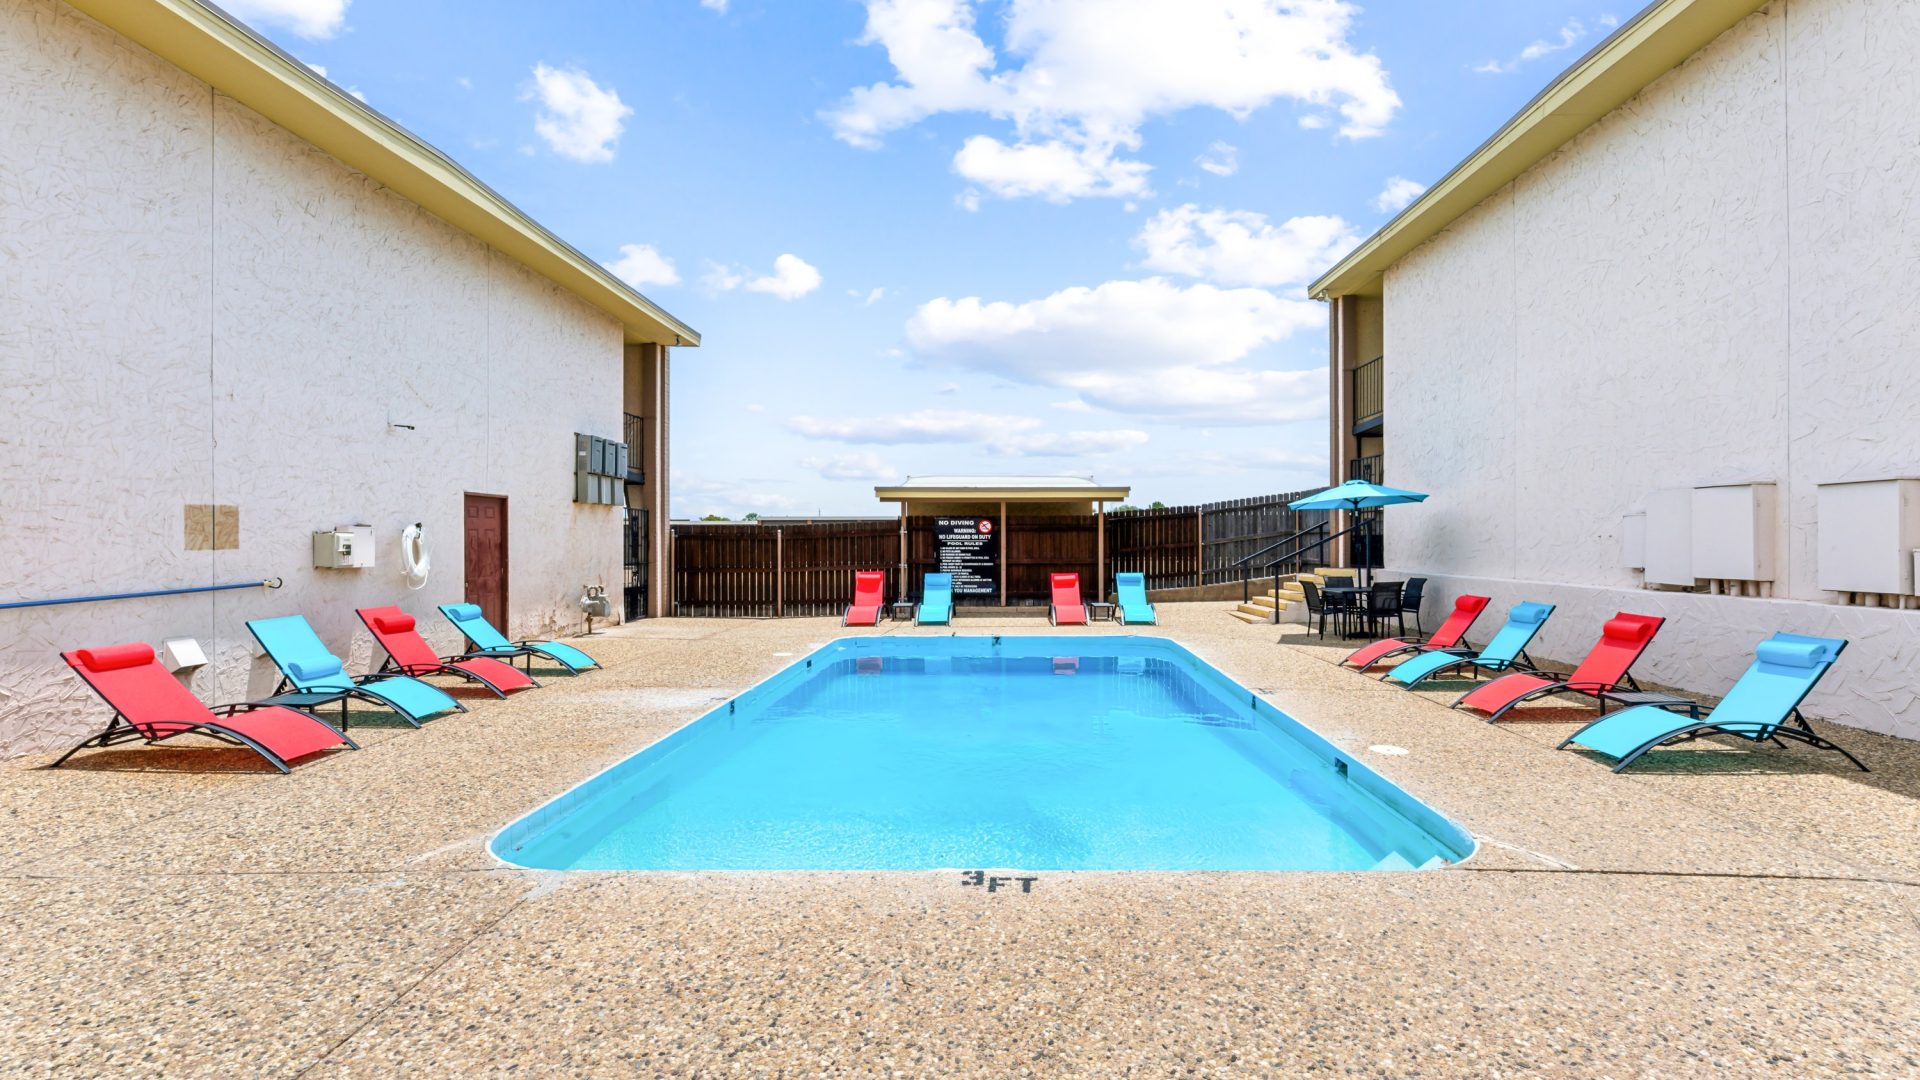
(1031,753)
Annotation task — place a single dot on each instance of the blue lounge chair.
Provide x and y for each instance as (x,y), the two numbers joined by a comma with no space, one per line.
(1507,649)
(487,641)
(936,606)
(1763,705)
(310,675)
(1132,592)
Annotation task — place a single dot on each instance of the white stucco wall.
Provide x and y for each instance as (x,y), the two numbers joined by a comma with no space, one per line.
(1714,283)
(198,307)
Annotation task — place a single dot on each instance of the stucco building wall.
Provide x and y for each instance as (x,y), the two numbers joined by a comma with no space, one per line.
(198,307)
(1711,284)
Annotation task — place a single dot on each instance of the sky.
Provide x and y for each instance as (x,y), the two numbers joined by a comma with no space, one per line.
(924,237)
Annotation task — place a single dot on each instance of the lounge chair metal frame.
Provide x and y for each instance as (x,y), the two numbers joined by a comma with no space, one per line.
(1600,691)
(122,730)
(443,666)
(1468,660)
(1793,726)
(295,696)
(290,694)
(525,647)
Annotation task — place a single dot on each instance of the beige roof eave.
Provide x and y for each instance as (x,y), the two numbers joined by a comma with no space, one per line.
(1015,494)
(213,47)
(1653,43)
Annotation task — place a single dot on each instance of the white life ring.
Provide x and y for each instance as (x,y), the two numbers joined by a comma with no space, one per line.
(414,558)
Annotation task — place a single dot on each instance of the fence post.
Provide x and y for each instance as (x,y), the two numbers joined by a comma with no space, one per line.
(1199,546)
(779,574)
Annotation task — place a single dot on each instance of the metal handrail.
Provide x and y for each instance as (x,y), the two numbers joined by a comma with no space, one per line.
(270,583)
(1246,572)
(1322,542)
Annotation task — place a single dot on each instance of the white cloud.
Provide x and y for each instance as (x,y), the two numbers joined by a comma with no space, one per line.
(1398,194)
(579,118)
(754,407)
(1569,35)
(1239,247)
(1057,170)
(639,265)
(861,465)
(1147,347)
(923,426)
(464,83)
(1075,443)
(792,278)
(307,18)
(870,297)
(1221,159)
(715,5)
(1079,78)
(696,496)
(720,278)
(1014,436)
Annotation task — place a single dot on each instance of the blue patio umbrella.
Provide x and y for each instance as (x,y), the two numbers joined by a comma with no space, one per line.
(1357,495)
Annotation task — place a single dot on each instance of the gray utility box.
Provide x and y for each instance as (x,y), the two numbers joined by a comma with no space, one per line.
(599,470)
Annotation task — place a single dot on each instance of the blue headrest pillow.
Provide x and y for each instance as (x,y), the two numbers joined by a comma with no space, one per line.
(318,667)
(1791,654)
(463,611)
(1529,613)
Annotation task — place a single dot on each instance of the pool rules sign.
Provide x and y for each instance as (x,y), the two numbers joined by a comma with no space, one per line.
(969,549)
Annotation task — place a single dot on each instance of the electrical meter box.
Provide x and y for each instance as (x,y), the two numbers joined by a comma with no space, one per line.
(344,547)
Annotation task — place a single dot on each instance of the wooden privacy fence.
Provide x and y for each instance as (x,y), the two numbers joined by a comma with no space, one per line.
(735,570)
(808,569)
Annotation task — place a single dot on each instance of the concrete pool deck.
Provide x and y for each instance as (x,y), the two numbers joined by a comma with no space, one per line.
(1720,909)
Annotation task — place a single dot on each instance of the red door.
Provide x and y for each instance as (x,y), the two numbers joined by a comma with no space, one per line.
(487,557)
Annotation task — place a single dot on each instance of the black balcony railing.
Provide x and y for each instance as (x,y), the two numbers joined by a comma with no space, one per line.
(1369,396)
(636,438)
(1366,468)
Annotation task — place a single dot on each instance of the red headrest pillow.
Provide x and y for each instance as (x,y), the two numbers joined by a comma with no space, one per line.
(1627,629)
(115,657)
(394,624)
(1470,602)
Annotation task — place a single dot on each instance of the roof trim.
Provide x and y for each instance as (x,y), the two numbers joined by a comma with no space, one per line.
(1652,43)
(219,50)
(903,493)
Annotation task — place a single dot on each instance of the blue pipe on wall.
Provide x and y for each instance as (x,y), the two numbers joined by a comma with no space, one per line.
(270,583)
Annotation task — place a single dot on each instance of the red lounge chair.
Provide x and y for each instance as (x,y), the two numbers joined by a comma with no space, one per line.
(409,654)
(1067,608)
(1622,640)
(150,705)
(869,596)
(1448,635)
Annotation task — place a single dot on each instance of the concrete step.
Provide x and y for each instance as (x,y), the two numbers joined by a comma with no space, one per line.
(1246,618)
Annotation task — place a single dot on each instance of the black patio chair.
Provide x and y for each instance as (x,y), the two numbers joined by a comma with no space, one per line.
(1316,605)
(1383,606)
(1410,604)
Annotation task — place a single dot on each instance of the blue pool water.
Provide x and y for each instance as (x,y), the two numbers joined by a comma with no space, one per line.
(896,753)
